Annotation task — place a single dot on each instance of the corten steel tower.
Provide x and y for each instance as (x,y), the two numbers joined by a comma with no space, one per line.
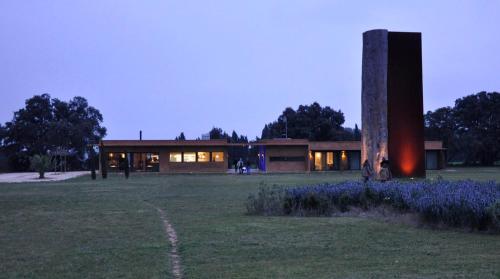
(392,102)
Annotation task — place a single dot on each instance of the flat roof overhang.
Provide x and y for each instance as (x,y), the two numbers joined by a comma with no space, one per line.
(161,143)
(312,145)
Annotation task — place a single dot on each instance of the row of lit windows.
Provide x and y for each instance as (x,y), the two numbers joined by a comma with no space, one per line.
(191,157)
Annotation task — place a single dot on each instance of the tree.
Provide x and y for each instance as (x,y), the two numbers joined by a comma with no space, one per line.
(311,122)
(46,124)
(478,127)
(3,132)
(440,125)
(181,137)
(470,130)
(234,137)
(218,133)
(357,132)
(40,164)
(104,165)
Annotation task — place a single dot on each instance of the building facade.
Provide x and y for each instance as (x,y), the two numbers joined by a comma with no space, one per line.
(213,156)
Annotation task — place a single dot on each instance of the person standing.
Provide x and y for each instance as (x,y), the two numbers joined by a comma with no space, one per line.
(240,166)
(366,171)
(385,172)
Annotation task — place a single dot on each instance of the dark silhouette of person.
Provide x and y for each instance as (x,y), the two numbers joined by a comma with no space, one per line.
(385,172)
(366,171)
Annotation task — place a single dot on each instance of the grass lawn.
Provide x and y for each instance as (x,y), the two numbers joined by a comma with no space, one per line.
(100,229)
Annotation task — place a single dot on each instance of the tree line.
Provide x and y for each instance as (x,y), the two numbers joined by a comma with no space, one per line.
(470,130)
(51,126)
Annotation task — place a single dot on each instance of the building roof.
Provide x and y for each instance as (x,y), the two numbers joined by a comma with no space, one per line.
(335,145)
(282,141)
(434,145)
(313,145)
(218,142)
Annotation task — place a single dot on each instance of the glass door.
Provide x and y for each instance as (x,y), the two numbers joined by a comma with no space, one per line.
(318,161)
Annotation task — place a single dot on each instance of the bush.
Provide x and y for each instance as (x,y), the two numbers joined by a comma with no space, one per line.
(344,202)
(494,215)
(40,164)
(460,204)
(269,201)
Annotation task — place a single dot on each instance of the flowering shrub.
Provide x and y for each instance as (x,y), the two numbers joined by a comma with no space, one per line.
(460,203)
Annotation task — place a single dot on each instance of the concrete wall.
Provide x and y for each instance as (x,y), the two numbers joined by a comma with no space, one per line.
(374,131)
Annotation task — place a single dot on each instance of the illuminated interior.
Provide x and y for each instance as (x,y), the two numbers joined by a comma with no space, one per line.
(145,161)
(200,157)
(329,160)
(217,156)
(189,157)
(113,161)
(175,157)
(138,161)
(318,162)
(203,156)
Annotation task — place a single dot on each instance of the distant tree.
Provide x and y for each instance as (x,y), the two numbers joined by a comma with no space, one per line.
(265,132)
(242,139)
(181,137)
(441,125)
(40,164)
(46,124)
(311,122)
(470,130)
(478,126)
(218,133)
(357,132)
(3,133)
(234,137)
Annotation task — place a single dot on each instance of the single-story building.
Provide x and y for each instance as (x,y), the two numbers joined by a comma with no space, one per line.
(167,156)
(274,155)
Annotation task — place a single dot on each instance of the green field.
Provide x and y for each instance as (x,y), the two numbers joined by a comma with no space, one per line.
(106,229)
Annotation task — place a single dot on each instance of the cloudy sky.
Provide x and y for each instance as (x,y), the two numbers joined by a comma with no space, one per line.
(170,66)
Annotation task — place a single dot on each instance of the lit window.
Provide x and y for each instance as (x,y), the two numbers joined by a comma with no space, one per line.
(329,158)
(189,157)
(217,156)
(155,158)
(152,158)
(175,157)
(203,157)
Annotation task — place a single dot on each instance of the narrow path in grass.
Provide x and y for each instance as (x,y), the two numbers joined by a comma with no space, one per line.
(172,238)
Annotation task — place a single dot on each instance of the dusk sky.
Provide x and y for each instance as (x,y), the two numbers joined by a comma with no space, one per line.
(170,66)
